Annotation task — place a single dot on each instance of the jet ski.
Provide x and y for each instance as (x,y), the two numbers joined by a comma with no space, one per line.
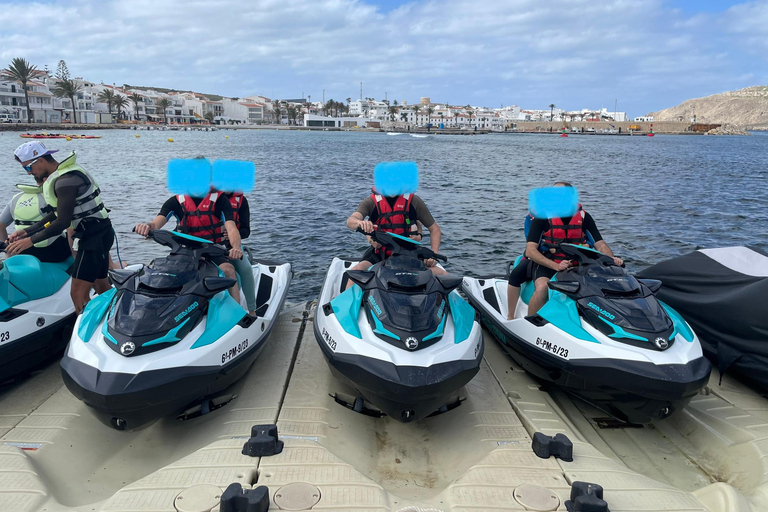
(169,335)
(401,337)
(602,336)
(36,313)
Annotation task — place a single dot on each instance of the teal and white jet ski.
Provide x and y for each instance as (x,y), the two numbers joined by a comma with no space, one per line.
(602,336)
(36,313)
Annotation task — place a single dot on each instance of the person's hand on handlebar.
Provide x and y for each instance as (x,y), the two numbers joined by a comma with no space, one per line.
(18,246)
(143,229)
(430,262)
(367,226)
(17,235)
(235,254)
(563,265)
(618,261)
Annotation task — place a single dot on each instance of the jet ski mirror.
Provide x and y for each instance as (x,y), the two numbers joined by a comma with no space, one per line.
(566,287)
(653,284)
(360,277)
(218,284)
(119,277)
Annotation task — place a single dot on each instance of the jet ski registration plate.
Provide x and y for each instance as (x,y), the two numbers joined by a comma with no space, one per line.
(234,352)
(550,347)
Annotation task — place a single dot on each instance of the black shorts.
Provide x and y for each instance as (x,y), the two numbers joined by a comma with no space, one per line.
(541,271)
(521,273)
(92,261)
(56,252)
(372,256)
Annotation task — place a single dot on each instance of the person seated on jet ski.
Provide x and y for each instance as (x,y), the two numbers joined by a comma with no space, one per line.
(551,233)
(241,214)
(202,217)
(26,208)
(75,198)
(382,212)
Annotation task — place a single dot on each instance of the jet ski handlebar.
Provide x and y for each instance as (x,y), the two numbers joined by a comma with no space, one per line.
(403,245)
(585,255)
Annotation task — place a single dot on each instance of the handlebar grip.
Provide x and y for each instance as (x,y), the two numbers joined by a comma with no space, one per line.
(440,257)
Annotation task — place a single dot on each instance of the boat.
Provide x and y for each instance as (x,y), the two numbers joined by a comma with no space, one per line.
(419,136)
(395,133)
(36,314)
(168,336)
(401,337)
(721,292)
(602,336)
(56,136)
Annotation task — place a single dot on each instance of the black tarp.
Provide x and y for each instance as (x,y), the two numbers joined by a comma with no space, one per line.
(723,294)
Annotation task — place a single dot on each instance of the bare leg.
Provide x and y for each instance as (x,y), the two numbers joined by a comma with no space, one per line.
(513,294)
(229,271)
(438,271)
(363,265)
(101,285)
(540,296)
(80,293)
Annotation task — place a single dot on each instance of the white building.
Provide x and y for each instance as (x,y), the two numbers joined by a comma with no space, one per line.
(334,122)
(644,119)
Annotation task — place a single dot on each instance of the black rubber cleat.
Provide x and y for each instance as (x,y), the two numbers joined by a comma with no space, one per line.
(545,446)
(263,442)
(237,499)
(586,497)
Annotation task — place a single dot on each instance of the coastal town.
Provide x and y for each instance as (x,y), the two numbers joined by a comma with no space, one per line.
(29,95)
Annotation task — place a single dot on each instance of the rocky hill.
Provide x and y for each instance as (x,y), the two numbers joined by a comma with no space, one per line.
(746,108)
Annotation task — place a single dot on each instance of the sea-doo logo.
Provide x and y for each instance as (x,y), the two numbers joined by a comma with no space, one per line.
(411,343)
(601,310)
(661,343)
(127,348)
(373,304)
(186,311)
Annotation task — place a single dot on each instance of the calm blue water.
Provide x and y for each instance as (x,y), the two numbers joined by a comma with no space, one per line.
(652,198)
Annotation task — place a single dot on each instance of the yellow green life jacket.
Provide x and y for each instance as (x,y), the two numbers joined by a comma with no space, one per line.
(28,207)
(88,204)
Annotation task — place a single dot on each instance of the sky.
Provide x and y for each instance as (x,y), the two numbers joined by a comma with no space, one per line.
(643,55)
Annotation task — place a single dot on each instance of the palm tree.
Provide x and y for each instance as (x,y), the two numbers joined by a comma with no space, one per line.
(136,98)
(429,114)
(162,104)
(291,115)
(107,96)
(403,116)
(469,113)
(21,71)
(68,89)
(551,112)
(456,115)
(209,117)
(120,103)
(441,118)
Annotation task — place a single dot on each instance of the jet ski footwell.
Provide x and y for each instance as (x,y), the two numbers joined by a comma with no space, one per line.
(56,456)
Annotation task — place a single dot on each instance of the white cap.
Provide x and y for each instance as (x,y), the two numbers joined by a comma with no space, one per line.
(31,150)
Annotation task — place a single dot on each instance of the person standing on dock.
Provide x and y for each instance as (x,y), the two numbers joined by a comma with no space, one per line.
(75,198)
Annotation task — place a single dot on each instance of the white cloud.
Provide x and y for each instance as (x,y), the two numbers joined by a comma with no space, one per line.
(574,52)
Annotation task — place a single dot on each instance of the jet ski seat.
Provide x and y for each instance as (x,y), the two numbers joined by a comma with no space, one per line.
(24,278)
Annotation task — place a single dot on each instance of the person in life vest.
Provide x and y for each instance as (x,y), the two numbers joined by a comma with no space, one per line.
(204,217)
(241,215)
(402,215)
(75,198)
(26,208)
(550,233)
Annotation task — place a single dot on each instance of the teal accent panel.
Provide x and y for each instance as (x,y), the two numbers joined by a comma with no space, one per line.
(24,278)
(415,242)
(380,329)
(346,307)
(463,316)
(619,332)
(517,261)
(93,313)
(526,291)
(223,314)
(190,237)
(561,312)
(169,337)
(681,326)
(439,331)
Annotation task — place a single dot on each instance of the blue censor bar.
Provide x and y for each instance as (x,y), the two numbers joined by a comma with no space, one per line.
(551,202)
(197,176)
(233,175)
(396,178)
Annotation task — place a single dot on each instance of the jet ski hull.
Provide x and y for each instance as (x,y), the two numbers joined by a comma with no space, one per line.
(405,385)
(129,393)
(634,390)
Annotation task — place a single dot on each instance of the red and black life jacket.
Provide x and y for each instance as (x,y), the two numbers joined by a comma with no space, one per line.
(393,219)
(236,201)
(201,220)
(559,233)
